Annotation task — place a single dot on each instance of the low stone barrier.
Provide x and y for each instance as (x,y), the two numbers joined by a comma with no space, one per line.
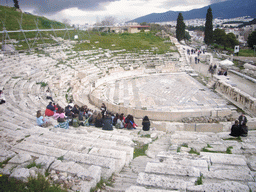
(236,96)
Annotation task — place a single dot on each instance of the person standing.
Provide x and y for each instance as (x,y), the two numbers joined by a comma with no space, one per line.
(2,97)
(103,109)
(242,119)
(242,123)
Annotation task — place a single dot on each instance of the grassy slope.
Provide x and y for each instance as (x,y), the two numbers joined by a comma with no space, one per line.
(130,42)
(10,17)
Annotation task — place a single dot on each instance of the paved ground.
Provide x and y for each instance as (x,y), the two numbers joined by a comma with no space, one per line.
(164,92)
(235,80)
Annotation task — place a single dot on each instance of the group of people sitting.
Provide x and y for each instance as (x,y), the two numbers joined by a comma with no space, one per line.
(239,128)
(73,115)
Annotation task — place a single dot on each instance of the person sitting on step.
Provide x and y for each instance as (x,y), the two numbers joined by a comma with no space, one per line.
(63,123)
(236,129)
(50,109)
(40,120)
(145,124)
(107,122)
(98,120)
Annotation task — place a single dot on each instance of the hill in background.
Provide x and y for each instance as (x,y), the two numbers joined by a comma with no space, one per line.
(10,17)
(225,10)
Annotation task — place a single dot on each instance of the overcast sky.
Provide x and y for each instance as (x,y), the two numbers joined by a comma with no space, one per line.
(91,11)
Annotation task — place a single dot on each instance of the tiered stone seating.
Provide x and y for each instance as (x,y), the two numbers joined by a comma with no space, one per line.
(85,149)
(88,153)
(178,169)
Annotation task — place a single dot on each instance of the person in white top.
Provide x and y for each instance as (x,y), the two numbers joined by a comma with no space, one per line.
(2,98)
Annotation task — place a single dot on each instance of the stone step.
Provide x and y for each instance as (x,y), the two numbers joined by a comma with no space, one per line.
(219,186)
(119,156)
(107,164)
(122,140)
(92,141)
(172,169)
(165,182)
(143,189)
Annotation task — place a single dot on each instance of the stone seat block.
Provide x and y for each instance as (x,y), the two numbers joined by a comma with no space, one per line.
(200,163)
(107,164)
(119,156)
(164,182)
(172,169)
(228,174)
(122,140)
(38,150)
(222,186)
(225,159)
(143,189)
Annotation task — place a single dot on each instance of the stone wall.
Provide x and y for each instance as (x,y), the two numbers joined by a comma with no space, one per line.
(236,96)
(249,70)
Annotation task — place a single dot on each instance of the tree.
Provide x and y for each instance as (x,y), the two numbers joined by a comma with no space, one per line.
(208,33)
(252,39)
(180,28)
(16,4)
(187,36)
(227,40)
(108,21)
(231,40)
(219,36)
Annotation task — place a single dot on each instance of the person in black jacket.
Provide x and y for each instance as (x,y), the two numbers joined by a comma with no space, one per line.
(50,106)
(107,123)
(98,120)
(146,124)
(236,129)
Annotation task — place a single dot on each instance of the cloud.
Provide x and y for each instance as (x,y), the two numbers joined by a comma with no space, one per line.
(89,11)
(50,7)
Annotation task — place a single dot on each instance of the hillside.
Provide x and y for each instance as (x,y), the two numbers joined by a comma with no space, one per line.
(10,17)
(225,10)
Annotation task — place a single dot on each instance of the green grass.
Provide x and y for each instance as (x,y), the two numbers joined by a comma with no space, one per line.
(140,150)
(193,151)
(61,158)
(4,162)
(178,149)
(246,53)
(199,180)
(43,84)
(234,139)
(100,184)
(184,145)
(33,164)
(229,151)
(11,17)
(33,185)
(129,42)
(210,151)
(146,136)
